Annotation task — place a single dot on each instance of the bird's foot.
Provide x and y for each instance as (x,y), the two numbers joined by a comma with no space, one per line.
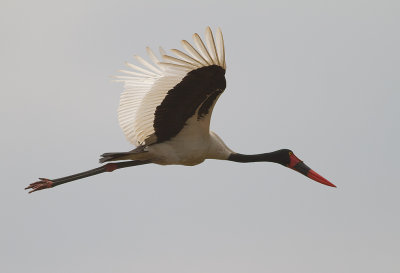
(44,183)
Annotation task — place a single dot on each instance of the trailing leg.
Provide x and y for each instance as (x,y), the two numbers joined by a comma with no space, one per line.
(45,183)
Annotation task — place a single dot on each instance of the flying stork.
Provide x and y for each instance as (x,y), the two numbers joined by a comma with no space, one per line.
(165,111)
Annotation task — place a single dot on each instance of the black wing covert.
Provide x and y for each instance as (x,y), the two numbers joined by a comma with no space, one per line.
(199,88)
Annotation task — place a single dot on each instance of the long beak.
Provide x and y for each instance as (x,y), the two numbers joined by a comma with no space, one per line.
(298,165)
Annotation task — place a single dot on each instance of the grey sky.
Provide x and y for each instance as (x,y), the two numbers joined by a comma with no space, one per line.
(318,77)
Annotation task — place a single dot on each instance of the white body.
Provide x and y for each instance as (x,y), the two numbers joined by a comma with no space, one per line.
(188,150)
(190,147)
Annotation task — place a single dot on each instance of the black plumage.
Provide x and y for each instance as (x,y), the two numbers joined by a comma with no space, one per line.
(200,87)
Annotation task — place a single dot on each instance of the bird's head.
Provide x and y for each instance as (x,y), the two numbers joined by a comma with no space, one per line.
(287,158)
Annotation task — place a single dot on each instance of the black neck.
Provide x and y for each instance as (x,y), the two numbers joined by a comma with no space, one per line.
(275,157)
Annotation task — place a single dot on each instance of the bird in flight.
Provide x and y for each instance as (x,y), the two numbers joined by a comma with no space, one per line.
(165,111)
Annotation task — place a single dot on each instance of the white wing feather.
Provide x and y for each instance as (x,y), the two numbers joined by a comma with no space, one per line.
(145,88)
(211,46)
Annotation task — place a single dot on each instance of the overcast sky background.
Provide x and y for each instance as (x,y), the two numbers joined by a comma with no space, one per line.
(318,77)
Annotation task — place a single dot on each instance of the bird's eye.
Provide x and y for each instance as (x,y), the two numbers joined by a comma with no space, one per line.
(290,153)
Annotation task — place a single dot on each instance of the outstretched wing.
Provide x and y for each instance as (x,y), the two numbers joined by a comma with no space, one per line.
(159,99)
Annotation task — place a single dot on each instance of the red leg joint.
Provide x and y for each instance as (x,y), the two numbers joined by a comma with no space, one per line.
(110,167)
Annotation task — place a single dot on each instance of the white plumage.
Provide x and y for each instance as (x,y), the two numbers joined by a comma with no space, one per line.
(145,88)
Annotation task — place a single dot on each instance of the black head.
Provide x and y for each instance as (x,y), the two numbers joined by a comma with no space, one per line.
(282,156)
